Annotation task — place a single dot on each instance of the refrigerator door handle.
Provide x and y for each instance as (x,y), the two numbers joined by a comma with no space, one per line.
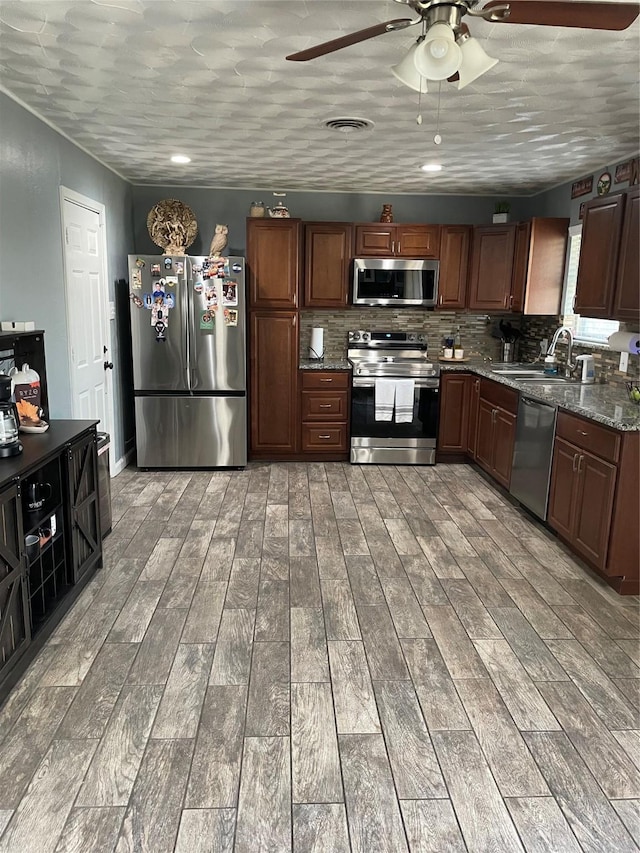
(187,310)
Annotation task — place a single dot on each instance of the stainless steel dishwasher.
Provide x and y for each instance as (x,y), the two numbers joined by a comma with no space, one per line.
(532,455)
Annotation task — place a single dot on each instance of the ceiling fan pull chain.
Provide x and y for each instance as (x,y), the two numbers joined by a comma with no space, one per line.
(437,138)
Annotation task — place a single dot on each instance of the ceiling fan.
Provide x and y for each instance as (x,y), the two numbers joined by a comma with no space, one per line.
(446,50)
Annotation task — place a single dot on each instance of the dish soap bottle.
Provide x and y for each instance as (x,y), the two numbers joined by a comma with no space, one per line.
(458,352)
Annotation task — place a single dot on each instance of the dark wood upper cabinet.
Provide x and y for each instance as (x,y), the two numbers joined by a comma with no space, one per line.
(273,253)
(328,248)
(417,241)
(626,303)
(601,229)
(538,265)
(455,241)
(374,240)
(273,370)
(491,267)
(383,240)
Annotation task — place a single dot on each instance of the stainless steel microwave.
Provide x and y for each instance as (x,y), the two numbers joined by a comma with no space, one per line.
(392,282)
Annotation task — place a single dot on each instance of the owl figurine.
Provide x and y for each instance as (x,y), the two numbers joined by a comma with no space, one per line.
(219,241)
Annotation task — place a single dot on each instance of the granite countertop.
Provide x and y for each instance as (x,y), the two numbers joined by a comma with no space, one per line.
(324,364)
(606,404)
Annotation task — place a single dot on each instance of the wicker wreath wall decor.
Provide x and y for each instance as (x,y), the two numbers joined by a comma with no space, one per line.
(172,226)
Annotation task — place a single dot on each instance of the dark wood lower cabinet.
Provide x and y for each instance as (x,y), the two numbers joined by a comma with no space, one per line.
(496,430)
(581,500)
(37,589)
(594,500)
(14,606)
(324,410)
(454,413)
(274,384)
(84,510)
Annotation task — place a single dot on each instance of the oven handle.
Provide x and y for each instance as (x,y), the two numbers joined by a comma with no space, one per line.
(419,383)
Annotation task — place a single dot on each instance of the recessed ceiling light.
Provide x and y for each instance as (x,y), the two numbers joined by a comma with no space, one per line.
(180,158)
(432,167)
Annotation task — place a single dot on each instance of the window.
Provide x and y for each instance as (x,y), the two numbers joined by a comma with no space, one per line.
(585,329)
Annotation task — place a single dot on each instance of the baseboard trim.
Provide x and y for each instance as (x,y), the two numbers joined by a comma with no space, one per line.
(120,464)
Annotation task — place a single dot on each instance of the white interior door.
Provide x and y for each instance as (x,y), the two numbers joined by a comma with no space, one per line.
(87,305)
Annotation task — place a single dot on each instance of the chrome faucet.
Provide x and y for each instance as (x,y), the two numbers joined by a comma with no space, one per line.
(569,366)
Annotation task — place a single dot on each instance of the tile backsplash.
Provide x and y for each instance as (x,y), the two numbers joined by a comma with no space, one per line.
(478,333)
(475,329)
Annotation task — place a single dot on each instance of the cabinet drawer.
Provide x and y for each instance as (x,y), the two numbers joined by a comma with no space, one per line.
(588,435)
(324,380)
(324,406)
(331,437)
(499,395)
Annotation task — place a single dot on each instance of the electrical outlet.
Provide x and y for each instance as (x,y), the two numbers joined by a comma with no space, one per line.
(112,310)
(624,362)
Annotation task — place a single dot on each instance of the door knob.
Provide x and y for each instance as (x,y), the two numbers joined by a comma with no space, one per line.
(108,365)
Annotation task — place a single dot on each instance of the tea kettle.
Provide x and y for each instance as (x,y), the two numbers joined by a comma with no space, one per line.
(279,211)
(9,420)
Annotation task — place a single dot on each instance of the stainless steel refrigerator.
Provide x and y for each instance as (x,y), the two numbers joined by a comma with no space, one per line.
(188,330)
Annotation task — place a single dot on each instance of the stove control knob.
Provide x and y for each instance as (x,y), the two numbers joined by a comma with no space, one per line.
(366,336)
(355,336)
(411,337)
(422,339)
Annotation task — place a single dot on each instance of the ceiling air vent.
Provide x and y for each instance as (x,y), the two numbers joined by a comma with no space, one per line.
(348,124)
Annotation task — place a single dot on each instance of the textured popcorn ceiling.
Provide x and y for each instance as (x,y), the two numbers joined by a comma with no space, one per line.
(134,82)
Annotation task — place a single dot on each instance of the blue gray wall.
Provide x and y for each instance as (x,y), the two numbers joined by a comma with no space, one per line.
(231,207)
(34,162)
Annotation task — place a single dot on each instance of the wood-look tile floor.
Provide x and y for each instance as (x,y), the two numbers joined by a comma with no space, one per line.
(328,658)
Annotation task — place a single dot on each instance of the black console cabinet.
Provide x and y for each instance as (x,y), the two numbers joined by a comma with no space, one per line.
(36,593)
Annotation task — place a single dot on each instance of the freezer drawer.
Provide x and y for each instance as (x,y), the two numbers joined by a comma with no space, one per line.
(191,432)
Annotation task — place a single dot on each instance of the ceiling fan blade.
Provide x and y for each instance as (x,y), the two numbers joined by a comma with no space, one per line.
(352,38)
(567,13)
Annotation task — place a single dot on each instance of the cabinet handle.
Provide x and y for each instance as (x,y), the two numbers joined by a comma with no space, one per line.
(510,301)
(393,247)
(324,436)
(573,305)
(324,406)
(399,250)
(440,299)
(580,461)
(325,380)
(574,466)
(582,432)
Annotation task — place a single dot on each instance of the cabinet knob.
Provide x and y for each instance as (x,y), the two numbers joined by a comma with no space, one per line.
(582,432)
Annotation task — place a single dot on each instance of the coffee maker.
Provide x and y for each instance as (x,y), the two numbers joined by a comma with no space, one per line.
(9,420)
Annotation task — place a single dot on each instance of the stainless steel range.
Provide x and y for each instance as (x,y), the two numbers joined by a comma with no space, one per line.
(394,398)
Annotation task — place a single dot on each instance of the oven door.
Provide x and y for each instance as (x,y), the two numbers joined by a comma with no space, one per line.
(386,441)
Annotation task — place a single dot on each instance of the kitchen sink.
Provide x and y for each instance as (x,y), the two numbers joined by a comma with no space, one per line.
(546,380)
(516,371)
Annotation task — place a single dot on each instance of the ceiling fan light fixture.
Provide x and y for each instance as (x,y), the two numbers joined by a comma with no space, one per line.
(438,56)
(406,72)
(475,62)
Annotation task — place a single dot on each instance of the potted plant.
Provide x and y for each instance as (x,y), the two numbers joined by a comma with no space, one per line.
(501,212)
